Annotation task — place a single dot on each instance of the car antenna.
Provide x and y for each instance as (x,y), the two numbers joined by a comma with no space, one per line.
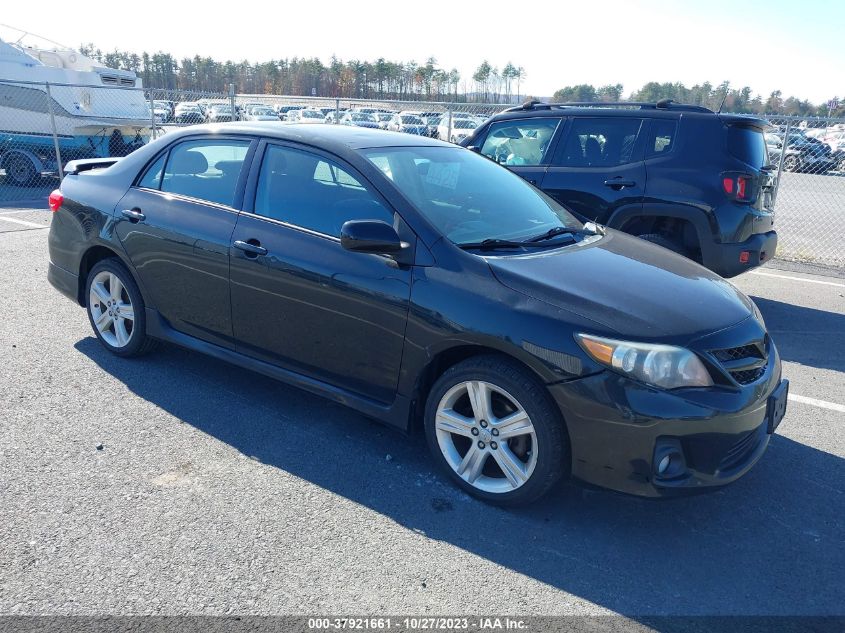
(724,98)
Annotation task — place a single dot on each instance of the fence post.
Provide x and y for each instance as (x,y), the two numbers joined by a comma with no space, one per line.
(782,156)
(449,124)
(55,133)
(152,118)
(232,101)
(337,111)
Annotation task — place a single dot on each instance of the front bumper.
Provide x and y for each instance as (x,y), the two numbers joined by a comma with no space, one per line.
(619,430)
(727,259)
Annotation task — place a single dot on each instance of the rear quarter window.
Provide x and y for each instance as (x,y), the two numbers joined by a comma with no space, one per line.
(748,145)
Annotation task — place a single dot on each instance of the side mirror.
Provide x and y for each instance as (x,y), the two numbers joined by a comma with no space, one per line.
(370,236)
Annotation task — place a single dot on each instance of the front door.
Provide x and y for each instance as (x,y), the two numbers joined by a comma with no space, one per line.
(597,167)
(523,145)
(176,226)
(299,299)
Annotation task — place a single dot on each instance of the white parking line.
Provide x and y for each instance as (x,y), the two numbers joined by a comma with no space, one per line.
(809,281)
(23,222)
(823,404)
(21,211)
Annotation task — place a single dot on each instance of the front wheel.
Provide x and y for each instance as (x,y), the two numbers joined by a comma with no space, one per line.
(790,163)
(495,430)
(116,309)
(20,170)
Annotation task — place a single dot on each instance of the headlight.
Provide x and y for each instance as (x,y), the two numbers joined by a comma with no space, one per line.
(663,366)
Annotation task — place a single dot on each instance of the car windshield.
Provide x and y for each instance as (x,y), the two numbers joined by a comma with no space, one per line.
(467,197)
(311,114)
(463,124)
(411,120)
(262,111)
(361,116)
(384,117)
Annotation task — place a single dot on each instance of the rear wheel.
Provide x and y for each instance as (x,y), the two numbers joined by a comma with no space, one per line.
(116,309)
(790,163)
(494,429)
(20,170)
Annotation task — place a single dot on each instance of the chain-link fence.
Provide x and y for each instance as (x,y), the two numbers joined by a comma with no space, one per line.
(44,126)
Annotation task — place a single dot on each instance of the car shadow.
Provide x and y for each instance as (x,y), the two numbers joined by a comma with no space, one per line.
(769,544)
(811,337)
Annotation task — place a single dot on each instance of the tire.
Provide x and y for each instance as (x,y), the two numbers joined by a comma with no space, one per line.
(123,336)
(520,406)
(665,242)
(20,170)
(790,163)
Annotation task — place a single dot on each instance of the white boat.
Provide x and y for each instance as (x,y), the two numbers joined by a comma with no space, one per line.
(98,111)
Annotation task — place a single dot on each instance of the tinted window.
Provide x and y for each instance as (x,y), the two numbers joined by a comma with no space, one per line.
(600,142)
(152,179)
(306,190)
(466,196)
(661,137)
(519,142)
(748,145)
(208,169)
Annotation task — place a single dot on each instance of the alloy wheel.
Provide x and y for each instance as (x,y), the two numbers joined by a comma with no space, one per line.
(486,436)
(111,309)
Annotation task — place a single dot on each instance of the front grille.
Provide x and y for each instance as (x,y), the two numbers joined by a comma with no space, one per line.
(750,371)
(748,376)
(737,353)
(737,454)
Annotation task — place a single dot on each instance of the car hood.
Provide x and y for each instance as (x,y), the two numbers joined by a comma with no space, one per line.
(633,288)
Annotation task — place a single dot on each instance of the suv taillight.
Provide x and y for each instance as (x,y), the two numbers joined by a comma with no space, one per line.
(55,200)
(736,186)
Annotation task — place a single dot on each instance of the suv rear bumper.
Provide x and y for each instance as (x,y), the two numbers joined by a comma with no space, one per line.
(724,259)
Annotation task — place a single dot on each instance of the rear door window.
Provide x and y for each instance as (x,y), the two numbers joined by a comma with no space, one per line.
(600,142)
(520,141)
(207,169)
(748,145)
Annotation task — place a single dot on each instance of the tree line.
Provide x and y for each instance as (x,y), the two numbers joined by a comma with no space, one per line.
(737,100)
(379,79)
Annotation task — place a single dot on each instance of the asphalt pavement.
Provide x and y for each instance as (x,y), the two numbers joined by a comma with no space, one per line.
(177,484)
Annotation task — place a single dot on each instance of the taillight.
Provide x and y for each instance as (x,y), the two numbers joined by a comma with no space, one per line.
(736,186)
(55,200)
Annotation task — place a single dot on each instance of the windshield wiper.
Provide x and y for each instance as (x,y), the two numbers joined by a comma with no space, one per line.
(560,230)
(491,243)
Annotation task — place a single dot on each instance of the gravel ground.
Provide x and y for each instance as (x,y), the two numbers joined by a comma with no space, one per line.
(177,484)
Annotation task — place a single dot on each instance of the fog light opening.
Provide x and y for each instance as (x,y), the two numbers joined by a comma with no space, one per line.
(664,464)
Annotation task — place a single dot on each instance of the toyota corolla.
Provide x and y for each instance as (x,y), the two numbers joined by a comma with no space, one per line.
(427,287)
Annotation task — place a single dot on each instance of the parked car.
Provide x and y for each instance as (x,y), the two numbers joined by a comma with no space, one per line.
(306,116)
(359,119)
(408,123)
(332,116)
(188,114)
(260,113)
(219,113)
(695,182)
(166,107)
(383,119)
(159,115)
(802,153)
(835,140)
(460,129)
(283,110)
(422,284)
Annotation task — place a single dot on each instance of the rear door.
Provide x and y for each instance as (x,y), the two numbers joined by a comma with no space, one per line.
(597,167)
(176,226)
(523,145)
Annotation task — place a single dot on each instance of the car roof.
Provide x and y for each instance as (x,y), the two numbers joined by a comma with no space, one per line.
(330,137)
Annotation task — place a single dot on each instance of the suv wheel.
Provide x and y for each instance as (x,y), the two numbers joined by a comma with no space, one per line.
(495,430)
(790,163)
(665,242)
(116,309)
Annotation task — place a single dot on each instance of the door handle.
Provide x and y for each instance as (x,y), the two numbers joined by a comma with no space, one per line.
(133,215)
(252,248)
(616,183)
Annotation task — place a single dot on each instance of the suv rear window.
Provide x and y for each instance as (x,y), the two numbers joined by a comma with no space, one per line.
(748,145)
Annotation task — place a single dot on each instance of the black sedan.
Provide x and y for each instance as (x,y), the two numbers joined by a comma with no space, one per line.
(427,287)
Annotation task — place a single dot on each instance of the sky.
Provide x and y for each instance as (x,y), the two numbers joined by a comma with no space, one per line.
(796,47)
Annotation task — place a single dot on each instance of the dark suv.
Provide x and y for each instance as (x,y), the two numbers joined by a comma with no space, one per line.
(681,176)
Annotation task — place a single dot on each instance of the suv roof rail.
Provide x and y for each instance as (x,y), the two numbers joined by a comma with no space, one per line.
(663,104)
